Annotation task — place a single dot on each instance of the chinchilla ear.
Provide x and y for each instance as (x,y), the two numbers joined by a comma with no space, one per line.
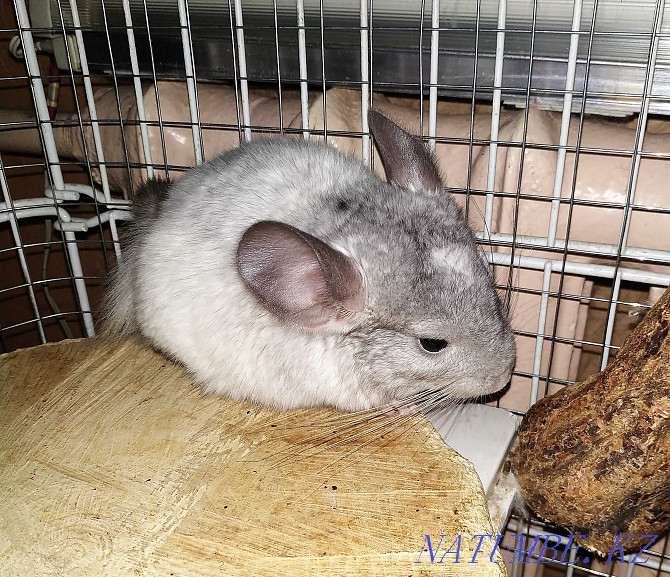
(406,160)
(299,277)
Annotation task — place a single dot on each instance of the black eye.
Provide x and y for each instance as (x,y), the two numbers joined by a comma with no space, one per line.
(433,345)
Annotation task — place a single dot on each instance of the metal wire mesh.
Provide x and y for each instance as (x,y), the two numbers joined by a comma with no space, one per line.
(60,213)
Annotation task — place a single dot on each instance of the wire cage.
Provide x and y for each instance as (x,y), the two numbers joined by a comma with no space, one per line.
(548,119)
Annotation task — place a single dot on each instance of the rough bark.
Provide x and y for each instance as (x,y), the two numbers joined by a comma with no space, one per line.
(595,457)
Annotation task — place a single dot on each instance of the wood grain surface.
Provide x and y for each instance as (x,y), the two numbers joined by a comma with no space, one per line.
(113,463)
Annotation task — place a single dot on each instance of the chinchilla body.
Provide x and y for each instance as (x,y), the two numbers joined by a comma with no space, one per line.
(289,274)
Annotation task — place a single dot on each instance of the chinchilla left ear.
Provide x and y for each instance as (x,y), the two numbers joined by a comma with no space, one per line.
(406,160)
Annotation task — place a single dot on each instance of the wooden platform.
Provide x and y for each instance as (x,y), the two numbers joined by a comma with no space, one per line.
(113,463)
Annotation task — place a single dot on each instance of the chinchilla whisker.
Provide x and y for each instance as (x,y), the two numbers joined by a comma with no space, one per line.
(344,421)
(358,424)
(487,236)
(441,400)
(443,403)
(512,281)
(515,294)
(390,424)
(323,439)
(397,422)
(350,417)
(526,311)
(381,410)
(376,411)
(314,449)
(326,441)
(316,440)
(428,397)
(345,418)
(360,429)
(347,421)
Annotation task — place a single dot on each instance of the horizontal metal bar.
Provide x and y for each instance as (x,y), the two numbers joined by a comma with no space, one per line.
(580,269)
(577,247)
(31,207)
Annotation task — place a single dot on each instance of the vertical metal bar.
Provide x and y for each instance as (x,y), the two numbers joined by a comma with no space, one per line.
(78,275)
(573,186)
(517,200)
(570,569)
(495,113)
(421,27)
(235,71)
(434,60)
(522,155)
(539,338)
(365,83)
(279,95)
(632,182)
(520,530)
(139,96)
(631,569)
(97,141)
(95,127)
(115,83)
(90,101)
(161,128)
(242,61)
(565,121)
(553,220)
(191,86)
(472,111)
(20,250)
(642,124)
(323,72)
(302,56)
(611,315)
(46,130)
(51,156)
(371,53)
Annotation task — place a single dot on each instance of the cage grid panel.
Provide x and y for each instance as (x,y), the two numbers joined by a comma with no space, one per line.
(287,49)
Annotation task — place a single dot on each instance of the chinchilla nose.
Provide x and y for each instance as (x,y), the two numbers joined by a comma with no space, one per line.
(509,354)
(499,380)
(509,369)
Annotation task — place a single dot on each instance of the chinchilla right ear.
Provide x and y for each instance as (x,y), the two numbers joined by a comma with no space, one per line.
(300,278)
(406,160)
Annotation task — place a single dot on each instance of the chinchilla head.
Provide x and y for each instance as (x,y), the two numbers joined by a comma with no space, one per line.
(392,271)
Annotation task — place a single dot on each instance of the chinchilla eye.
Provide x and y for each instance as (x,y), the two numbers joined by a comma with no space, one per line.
(433,345)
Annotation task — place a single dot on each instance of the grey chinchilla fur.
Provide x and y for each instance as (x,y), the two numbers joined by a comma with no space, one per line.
(289,274)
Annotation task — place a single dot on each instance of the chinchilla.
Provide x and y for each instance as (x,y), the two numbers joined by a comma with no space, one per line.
(286,273)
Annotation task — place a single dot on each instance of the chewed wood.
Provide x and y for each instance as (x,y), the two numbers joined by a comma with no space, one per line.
(113,463)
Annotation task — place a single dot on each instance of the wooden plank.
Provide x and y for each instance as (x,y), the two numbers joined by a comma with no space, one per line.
(113,463)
